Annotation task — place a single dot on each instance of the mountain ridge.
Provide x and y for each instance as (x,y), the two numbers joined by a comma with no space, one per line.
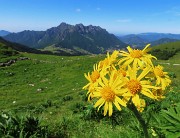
(92,39)
(139,40)
(4,32)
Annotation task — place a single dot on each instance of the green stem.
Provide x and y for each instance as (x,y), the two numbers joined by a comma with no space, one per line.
(133,108)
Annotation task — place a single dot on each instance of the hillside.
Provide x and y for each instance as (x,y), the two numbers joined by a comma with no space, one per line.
(50,87)
(133,40)
(139,40)
(92,39)
(6,50)
(17,47)
(168,46)
(9,50)
(163,41)
(156,36)
(166,51)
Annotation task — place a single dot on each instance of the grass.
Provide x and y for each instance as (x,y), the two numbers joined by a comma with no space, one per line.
(165,51)
(7,53)
(168,46)
(172,65)
(50,87)
(31,83)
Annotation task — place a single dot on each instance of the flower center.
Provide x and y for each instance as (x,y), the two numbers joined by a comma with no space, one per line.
(136,53)
(134,86)
(158,72)
(123,72)
(95,75)
(107,94)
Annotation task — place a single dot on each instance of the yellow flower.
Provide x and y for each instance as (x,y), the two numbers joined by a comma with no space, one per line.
(109,60)
(159,94)
(115,82)
(162,78)
(93,79)
(122,71)
(108,94)
(138,58)
(134,86)
(142,105)
(119,72)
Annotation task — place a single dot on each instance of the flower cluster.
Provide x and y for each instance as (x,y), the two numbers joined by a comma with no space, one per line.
(124,76)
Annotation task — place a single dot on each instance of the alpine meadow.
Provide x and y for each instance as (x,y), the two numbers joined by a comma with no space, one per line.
(42,96)
(89,69)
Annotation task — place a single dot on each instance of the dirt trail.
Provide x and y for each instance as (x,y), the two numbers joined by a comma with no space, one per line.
(169,64)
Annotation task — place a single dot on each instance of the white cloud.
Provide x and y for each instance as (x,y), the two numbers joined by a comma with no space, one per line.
(123,20)
(78,10)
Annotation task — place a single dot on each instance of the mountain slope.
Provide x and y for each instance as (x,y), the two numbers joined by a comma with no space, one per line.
(4,33)
(28,38)
(90,38)
(16,47)
(8,48)
(155,36)
(165,51)
(139,40)
(163,41)
(133,40)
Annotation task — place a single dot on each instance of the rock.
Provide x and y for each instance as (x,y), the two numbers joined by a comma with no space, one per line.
(11,61)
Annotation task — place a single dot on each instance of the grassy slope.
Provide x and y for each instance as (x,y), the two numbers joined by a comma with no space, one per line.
(7,53)
(172,65)
(168,46)
(58,77)
(55,75)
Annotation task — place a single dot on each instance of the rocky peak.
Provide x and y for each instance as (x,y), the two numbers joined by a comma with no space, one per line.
(64,26)
(87,29)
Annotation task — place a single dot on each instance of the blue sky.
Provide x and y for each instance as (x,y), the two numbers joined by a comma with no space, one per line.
(116,16)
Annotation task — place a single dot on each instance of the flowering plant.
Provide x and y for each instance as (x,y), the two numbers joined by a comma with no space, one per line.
(126,77)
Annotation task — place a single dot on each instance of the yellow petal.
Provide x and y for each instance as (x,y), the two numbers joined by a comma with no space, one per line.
(105,108)
(146,47)
(140,63)
(120,92)
(117,104)
(110,109)
(129,61)
(144,73)
(135,63)
(129,49)
(122,60)
(99,102)
(136,100)
(148,94)
(120,101)
(101,105)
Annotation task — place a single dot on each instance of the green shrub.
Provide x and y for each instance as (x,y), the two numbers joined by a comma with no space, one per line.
(163,54)
(16,126)
(78,107)
(172,74)
(67,98)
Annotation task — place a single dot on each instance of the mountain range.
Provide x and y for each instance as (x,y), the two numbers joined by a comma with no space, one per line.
(78,39)
(73,38)
(139,40)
